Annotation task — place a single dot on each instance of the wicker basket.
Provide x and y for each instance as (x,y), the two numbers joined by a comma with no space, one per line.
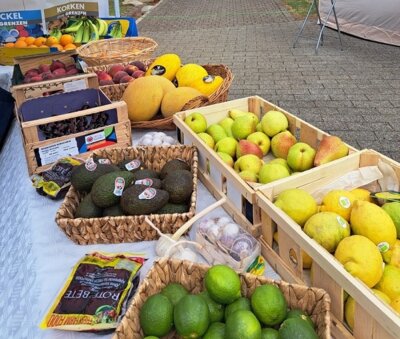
(314,301)
(115,92)
(107,230)
(112,51)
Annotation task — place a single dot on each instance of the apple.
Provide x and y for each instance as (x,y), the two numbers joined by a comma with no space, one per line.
(248,176)
(282,162)
(247,147)
(271,172)
(227,125)
(261,140)
(274,122)
(125,79)
(197,122)
(242,127)
(235,113)
(130,69)
(226,145)
(217,132)
(301,157)
(103,75)
(118,76)
(248,162)
(114,69)
(226,158)
(259,127)
(207,138)
(281,142)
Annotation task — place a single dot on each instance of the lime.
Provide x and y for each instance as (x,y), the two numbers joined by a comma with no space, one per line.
(174,292)
(216,310)
(389,283)
(269,304)
(269,333)
(239,304)
(215,331)
(242,324)
(297,313)
(296,328)
(156,316)
(222,284)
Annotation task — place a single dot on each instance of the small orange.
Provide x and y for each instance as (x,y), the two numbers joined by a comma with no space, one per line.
(20,44)
(51,40)
(69,47)
(9,45)
(66,39)
(39,41)
(58,46)
(21,38)
(43,46)
(30,40)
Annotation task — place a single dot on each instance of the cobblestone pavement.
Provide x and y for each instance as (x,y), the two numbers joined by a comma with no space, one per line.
(352,93)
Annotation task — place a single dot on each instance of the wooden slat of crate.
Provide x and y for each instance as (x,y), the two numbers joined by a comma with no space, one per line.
(375,319)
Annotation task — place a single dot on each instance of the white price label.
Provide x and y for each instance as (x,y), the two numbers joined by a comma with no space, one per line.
(52,153)
(75,85)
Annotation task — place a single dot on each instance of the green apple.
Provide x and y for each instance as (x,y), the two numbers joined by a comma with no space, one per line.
(197,122)
(248,176)
(261,140)
(282,162)
(281,143)
(301,157)
(274,122)
(226,158)
(242,127)
(227,125)
(207,138)
(217,132)
(248,162)
(259,127)
(226,145)
(271,172)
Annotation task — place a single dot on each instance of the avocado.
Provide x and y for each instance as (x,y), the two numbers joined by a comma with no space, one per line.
(87,209)
(173,165)
(113,211)
(145,173)
(173,208)
(82,179)
(140,199)
(179,185)
(104,191)
(131,165)
(150,182)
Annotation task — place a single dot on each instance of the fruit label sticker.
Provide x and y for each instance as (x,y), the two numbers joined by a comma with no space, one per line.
(383,247)
(158,70)
(90,165)
(344,202)
(119,185)
(147,194)
(132,165)
(104,161)
(341,221)
(146,182)
(208,79)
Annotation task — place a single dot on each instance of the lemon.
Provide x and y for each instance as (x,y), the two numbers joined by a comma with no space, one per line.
(327,229)
(390,282)
(381,296)
(392,256)
(373,222)
(338,201)
(349,312)
(222,284)
(297,204)
(396,304)
(361,258)
(362,194)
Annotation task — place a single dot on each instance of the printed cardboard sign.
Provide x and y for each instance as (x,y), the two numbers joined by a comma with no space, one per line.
(17,24)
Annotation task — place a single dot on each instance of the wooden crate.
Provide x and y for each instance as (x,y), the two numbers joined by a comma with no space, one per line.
(373,318)
(220,175)
(42,153)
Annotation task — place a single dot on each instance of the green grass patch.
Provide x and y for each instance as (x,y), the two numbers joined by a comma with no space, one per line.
(299,8)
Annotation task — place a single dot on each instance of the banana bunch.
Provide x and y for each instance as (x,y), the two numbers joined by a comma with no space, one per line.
(116,30)
(87,29)
(55,32)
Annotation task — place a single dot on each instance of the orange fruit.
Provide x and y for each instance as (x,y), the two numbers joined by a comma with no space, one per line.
(43,46)
(20,44)
(21,38)
(58,46)
(69,47)
(39,41)
(51,40)
(66,39)
(32,46)
(9,45)
(30,40)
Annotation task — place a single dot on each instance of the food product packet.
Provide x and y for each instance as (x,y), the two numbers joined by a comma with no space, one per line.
(96,293)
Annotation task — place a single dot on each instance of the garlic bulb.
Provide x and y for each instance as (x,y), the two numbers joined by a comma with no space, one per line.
(205,225)
(222,221)
(156,139)
(185,254)
(242,247)
(229,234)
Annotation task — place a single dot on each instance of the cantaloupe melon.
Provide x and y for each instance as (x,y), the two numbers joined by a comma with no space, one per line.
(174,100)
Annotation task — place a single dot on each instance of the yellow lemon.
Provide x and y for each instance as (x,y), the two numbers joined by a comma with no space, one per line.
(396,304)
(297,204)
(338,201)
(361,258)
(390,282)
(392,256)
(362,194)
(381,296)
(349,311)
(373,222)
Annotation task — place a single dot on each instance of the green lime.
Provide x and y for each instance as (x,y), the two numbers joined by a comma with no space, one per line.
(222,284)
(269,304)
(174,292)
(296,328)
(191,316)
(215,331)
(216,310)
(242,324)
(156,316)
(239,304)
(269,333)
(297,313)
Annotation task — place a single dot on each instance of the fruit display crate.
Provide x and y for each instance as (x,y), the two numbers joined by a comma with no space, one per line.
(133,228)
(24,91)
(64,125)
(373,318)
(222,177)
(314,301)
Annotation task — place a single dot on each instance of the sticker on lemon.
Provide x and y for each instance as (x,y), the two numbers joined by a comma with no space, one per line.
(392,256)
(338,201)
